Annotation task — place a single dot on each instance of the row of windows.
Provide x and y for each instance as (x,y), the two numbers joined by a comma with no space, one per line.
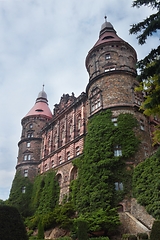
(27,157)
(60,160)
(118,185)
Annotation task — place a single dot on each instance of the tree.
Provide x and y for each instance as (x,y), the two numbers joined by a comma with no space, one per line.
(149,66)
(11,224)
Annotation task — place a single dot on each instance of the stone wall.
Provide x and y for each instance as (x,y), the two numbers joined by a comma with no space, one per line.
(131,225)
(141,214)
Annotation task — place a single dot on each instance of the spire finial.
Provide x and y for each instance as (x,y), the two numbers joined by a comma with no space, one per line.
(43,88)
(105,17)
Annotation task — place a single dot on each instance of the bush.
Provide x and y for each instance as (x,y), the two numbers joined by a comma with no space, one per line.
(40,230)
(99,238)
(82,230)
(11,224)
(132,237)
(155,232)
(142,236)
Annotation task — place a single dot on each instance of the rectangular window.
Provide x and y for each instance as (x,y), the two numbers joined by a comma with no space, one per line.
(28,144)
(23,189)
(25,157)
(142,124)
(77,151)
(108,56)
(25,172)
(52,163)
(68,155)
(117,151)
(118,186)
(60,160)
(114,120)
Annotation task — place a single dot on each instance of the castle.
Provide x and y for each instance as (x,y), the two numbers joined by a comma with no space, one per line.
(53,140)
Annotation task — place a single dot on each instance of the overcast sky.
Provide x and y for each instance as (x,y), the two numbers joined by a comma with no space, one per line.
(46,42)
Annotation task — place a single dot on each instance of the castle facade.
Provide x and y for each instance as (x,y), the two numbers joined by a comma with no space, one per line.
(53,140)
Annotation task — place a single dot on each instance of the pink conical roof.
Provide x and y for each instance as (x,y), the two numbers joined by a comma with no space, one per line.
(107,34)
(41,106)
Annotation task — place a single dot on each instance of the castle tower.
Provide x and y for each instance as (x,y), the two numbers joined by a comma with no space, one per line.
(30,143)
(111,65)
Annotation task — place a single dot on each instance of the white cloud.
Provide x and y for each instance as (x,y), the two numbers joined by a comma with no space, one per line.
(47,42)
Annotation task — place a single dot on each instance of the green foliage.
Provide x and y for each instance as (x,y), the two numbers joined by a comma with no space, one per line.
(142,236)
(100,219)
(64,238)
(146,184)
(11,224)
(149,66)
(93,192)
(45,193)
(40,230)
(155,232)
(18,199)
(132,237)
(61,216)
(82,229)
(99,238)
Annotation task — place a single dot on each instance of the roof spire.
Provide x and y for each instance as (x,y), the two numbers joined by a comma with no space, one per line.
(105,17)
(43,88)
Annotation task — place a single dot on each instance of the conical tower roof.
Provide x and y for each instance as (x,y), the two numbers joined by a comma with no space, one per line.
(107,34)
(41,106)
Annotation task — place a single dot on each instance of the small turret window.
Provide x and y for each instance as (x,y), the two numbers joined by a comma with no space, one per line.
(27,157)
(108,56)
(28,144)
(39,110)
(23,189)
(25,172)
(29,135)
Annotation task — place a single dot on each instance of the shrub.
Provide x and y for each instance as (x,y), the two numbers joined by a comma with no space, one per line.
(142,236)
(82,230)
(132,237)
(155,232)
(99,238)
(125,236)
(40,230)
(11,224)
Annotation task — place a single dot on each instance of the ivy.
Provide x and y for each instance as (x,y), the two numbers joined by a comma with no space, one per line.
(19,199)
(45,193)
(93,192)
(146,184)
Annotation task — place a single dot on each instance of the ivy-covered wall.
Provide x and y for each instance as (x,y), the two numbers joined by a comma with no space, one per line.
(146,184)
(103,180)
(94,193)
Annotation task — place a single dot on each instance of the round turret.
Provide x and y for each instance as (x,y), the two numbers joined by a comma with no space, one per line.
(111,65)
(30,143)
(110,53)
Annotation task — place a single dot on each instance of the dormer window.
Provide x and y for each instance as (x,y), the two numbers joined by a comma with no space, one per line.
(107,37)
